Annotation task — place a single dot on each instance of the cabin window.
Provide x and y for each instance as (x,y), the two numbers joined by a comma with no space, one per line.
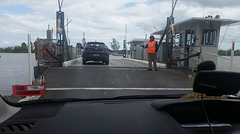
(182,39)
(209,37)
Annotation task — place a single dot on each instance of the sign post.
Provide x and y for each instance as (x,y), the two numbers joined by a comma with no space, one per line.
(232,54)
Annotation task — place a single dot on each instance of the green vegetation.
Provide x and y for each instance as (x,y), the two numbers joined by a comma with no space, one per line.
(17,49)
(115,44)
(228,52)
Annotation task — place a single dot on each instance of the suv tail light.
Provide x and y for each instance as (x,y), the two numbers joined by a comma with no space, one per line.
(105,48)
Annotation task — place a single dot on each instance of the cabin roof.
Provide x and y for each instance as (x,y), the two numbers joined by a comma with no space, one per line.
(137,40)
(197,20)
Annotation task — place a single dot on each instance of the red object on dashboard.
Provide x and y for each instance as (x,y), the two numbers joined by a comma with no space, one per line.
(28,90)
(233,44)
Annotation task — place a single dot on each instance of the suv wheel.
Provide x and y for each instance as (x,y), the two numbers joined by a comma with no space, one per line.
(107,62)
(83,61)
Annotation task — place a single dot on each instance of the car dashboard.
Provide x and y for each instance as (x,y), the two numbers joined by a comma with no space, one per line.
(142,116)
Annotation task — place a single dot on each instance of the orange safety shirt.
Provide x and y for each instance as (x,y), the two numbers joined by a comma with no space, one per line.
(152,47)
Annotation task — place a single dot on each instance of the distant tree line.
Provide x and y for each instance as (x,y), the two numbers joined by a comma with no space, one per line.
(16,49)
(228,52)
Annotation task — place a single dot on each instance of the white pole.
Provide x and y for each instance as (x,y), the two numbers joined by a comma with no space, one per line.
(126,41)
(29,59)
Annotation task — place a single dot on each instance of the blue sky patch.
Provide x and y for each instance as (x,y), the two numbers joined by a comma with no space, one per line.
(151,2)
(130,4)
(16,9)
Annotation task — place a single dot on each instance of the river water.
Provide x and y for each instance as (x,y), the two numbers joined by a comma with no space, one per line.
(14,69)
(224,63)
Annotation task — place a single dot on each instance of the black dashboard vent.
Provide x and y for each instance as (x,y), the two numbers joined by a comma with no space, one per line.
(17,127)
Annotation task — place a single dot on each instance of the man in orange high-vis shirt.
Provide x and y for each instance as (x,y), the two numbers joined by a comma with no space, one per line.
(152,49)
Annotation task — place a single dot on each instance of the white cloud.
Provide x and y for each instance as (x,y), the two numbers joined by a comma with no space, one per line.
(105,19)
(214,3)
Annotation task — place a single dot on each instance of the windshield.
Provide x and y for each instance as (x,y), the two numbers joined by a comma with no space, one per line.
(105,49)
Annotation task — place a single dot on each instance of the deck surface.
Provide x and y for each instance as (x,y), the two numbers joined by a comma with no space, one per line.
(120,73)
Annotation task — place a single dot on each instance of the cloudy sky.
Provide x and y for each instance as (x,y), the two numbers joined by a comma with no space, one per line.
(103,20)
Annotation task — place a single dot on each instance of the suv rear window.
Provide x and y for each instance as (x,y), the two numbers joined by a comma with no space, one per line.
(94,44)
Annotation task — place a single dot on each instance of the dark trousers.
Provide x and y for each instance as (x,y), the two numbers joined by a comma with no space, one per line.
(152,57)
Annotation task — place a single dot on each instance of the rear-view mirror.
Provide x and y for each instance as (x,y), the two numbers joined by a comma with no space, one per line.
(217,83)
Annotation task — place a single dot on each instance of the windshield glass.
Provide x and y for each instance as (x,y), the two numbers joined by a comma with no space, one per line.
(95,44)
(104,49)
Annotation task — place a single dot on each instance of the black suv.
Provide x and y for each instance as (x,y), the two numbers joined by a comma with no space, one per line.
(95,51)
